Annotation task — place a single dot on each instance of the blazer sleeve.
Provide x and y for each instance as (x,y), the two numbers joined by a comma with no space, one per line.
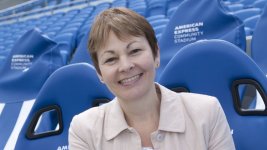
(220,134)
(78,138)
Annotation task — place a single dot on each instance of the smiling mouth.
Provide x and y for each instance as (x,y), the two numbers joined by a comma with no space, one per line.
(131,80)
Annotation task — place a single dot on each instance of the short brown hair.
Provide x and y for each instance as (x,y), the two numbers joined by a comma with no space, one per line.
(123,22)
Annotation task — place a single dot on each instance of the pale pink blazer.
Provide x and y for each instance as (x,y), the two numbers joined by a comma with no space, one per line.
(187,122)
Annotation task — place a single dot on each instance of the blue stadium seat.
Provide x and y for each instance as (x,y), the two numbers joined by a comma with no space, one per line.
(159,22)
(157,7)
(171,11)
(159,29)
(246,13)
(258,43)
(82,54)
(155,17)
(219,68)
(259,4)
(69,91)
(173,3)
(247,2)
(251,21)
(119,3)
(234,7)
(67,44)
(31,61)
(196,20)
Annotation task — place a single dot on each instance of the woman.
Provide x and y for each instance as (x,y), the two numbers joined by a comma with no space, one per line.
(144,115)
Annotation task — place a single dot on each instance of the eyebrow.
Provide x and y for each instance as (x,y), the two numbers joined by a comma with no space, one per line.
(112,52)
(107,51)
(130,44)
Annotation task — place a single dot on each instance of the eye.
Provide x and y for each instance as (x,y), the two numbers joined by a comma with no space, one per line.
(134,51)
(110,60)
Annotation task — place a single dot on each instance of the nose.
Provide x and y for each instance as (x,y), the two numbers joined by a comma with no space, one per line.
(125,64)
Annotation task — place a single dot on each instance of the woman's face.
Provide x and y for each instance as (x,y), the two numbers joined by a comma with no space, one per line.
(127,67)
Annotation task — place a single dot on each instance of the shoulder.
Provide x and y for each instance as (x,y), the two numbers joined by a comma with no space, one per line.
(202,105)
(203,109)
(188,99)
(191,103)
(199,100)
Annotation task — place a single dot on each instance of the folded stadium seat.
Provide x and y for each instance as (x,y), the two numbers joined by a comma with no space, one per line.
(119,3)
(4,52)
(2,61)
(173,3)
(251,21)
(68,91)
(53,28)
(86,25)
(84,29)
(81,54)
(247,2)
(138,6)
(159,22)
(204,20)
(159,29)
(157,7)
(137,3)
(51,3)
(258,43)
(155,17)
(100,7)
(234,7)
(82,32)
(259,4)
(43,27)
(1,48)
(3,56)
(158,36)
(72,13)
(64,1)
(31,61)
(171,11)
(51,34)
(67,45)
(221,69)
(87,10)
(141,9)
(246,13)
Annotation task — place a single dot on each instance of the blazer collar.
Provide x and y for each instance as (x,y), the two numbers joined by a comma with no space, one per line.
(171,115)
(114,121)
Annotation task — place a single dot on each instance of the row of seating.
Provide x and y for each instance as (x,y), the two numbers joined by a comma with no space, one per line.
(247,10)
(71,26)
(32,6)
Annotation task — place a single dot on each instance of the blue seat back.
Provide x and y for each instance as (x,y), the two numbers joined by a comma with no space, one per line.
(258,43)
(246,13)
(196,20)
(30,62)
(251,21)
(216,67)
(33,58)
(69,91)
(82,53)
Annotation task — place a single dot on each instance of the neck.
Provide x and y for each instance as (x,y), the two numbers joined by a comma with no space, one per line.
(144,110)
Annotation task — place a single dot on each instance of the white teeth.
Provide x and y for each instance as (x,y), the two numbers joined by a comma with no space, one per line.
(129,80)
